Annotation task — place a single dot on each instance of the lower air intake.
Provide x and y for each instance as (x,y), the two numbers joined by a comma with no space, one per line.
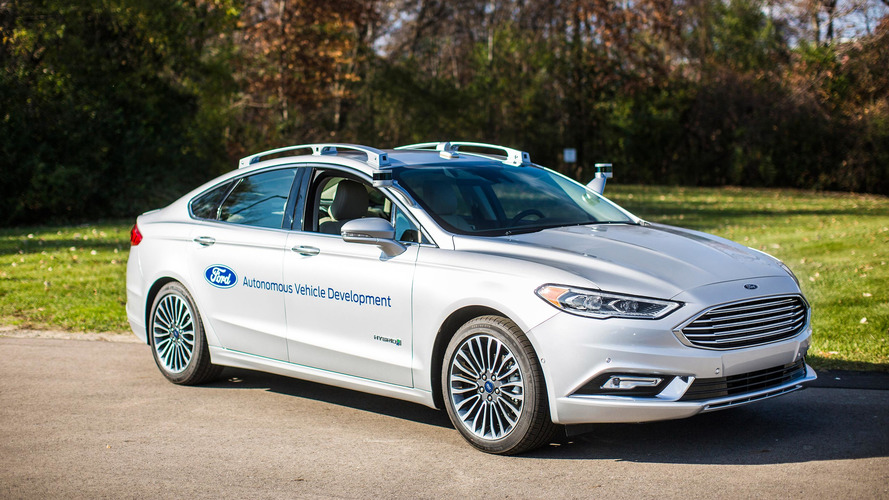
(713,388)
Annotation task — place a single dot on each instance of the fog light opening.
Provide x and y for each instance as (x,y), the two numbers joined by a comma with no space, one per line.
(628,382)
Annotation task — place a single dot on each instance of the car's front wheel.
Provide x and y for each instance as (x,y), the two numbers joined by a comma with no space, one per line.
(493,387)
(177,337)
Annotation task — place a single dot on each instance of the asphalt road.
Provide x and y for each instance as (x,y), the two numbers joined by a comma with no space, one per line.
(87,419)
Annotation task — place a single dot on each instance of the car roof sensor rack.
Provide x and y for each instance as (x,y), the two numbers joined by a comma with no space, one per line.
(375,157)
(449,150)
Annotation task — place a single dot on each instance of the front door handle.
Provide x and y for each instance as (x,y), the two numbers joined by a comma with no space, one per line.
(204,241)
(306,251)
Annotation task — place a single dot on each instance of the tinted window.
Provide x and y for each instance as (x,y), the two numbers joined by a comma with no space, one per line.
(205,206)
(259,200)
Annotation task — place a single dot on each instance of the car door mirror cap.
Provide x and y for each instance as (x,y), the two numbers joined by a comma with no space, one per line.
(373,231)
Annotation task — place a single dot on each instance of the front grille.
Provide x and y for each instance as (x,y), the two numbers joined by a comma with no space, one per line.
(712,388)
(748,323)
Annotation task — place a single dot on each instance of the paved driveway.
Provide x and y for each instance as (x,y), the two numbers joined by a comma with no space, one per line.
(88,419)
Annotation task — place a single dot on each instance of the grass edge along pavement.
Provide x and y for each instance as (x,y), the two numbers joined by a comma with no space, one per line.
(72,278)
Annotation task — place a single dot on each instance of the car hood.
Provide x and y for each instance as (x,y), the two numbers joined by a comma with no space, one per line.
(650,259)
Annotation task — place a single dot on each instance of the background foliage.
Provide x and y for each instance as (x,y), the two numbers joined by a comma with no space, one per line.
(113,107)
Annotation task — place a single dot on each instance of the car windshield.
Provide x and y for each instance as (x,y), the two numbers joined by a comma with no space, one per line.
(502,200)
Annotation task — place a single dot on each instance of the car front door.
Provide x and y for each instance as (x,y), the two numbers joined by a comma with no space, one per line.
(350,311)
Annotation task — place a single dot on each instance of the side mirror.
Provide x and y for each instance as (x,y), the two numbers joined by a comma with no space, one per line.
(373,231)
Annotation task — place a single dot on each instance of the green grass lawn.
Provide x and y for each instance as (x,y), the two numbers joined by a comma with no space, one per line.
(836,244)
(72,278)
(68,278)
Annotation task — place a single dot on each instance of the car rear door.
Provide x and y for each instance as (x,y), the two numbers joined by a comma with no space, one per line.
(236,261)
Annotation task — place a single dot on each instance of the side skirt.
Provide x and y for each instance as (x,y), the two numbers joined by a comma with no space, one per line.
(235,359)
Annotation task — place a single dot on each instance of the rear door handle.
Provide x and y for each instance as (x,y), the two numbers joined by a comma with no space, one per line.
(306,251)
(204,241)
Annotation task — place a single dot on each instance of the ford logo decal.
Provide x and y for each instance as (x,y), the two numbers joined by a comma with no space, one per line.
(750,286)
(220,276)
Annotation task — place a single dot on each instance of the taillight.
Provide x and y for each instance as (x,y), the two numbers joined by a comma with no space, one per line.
(135,235)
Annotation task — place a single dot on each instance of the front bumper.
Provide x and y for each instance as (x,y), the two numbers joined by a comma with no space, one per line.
(590,409)
(578,354)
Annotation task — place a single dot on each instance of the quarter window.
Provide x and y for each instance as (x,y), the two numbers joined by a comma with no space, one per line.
(206,205)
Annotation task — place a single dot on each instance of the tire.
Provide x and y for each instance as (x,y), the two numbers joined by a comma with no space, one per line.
(493,388)
(178,343)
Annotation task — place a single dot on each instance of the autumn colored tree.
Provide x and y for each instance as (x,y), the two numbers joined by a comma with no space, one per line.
(296,62)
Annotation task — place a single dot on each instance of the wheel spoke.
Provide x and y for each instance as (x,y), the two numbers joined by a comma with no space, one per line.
(471,401)
(496,412)
(464,389)
(508,366)
(468,365)
(188,340)
(186,349)
(495,358)
(508,412)
(479,429)
(161,317)
(472,353)
(163,347)
(460,378)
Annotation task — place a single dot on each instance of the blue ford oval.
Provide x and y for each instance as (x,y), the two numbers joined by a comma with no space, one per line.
(220,276)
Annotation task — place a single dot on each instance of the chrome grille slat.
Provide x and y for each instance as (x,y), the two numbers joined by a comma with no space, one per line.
(750,314)
(752,304)
(747,323)
(721,342)
(792,317)
(754,331)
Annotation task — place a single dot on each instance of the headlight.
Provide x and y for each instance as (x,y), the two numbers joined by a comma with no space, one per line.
(597,304)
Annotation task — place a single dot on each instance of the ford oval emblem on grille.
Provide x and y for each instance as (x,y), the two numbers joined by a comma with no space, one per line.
(751,286)
(220,276)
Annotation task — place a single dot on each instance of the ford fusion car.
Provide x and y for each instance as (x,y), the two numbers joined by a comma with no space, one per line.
(461,276)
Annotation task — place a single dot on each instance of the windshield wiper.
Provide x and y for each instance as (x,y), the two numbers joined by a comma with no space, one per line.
(534,229)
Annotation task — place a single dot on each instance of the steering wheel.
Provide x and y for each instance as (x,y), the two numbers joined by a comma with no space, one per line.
(525,213)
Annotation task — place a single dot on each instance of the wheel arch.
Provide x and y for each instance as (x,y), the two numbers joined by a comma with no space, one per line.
(149,300)
(445,332)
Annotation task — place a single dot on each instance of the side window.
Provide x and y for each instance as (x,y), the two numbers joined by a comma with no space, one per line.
(339,199)
(206,205)
(259,200)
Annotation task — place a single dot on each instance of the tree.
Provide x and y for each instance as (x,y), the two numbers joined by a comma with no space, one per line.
(296,62)
(110,107)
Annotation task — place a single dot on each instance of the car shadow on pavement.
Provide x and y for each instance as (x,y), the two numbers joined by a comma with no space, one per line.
(811,425)
(816,424)
(236,378)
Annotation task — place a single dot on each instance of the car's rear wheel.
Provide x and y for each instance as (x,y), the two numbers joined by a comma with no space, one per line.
(493,387)
(177,337)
